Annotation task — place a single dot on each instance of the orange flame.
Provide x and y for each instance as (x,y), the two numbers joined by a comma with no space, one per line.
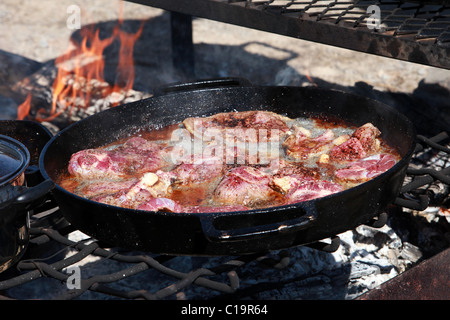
(76,68)
(125,78)
(68,90)
(24,109)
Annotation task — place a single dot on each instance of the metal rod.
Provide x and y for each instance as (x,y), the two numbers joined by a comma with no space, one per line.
(182,45)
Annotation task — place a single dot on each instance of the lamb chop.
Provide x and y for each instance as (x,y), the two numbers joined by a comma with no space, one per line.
(300,145)
(299,187)
(365,169)
(245,186)
(134,156)
(210,209)
(201,171)
(236,123)
(362,142)
(133,192)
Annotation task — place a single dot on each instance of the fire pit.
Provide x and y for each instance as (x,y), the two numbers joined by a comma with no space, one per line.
(347,266)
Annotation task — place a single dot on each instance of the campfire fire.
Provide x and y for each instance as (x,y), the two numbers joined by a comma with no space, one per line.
(80,81)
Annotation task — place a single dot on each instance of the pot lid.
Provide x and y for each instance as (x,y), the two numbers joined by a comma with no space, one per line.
(14,159)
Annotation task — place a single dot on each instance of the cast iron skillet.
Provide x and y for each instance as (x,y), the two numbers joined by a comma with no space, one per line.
(232,232)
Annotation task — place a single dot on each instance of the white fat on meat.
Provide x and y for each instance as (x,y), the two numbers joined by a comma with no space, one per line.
(301,145)
(157,184)
(297,188)
(365,169)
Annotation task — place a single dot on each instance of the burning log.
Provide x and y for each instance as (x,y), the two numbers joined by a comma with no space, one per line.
(73,87)
(93,96)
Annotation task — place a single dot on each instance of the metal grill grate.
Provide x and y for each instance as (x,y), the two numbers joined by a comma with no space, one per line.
(414,31)
(421,21)
(221,277)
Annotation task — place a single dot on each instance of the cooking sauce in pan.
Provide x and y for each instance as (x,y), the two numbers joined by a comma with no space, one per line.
(308,158)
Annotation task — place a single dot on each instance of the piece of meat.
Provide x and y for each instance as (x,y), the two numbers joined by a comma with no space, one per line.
(157,184)
(233,125)
(241,138)
(211,209)
(245,186)
(138,155)
(287,183)
(161,204)
(298,189)
(135,156)
(281,167)
(92,163)
(367,135)
(203,171)
(123,199)
(366,169)
(350,150)
(134,192)
(196,151)
(97,188)
(362,142)
(300,145)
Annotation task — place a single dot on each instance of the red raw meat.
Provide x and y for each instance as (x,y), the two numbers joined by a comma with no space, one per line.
(202,171)
(105,187)
(133,157)
(300,146)
(161,204)
(309,189)
(362,142)
(246,186)
(134,192)
(351,149)
(123,199)
(367,135)
(210,209)
(226,123)
(91,163)
(366,169)
(297,188)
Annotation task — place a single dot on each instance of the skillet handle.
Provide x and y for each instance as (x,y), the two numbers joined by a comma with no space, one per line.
(259,231)
(32,194)
(203,84)
(27,199)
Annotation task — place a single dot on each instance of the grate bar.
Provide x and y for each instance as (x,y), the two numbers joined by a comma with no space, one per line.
(35,269)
